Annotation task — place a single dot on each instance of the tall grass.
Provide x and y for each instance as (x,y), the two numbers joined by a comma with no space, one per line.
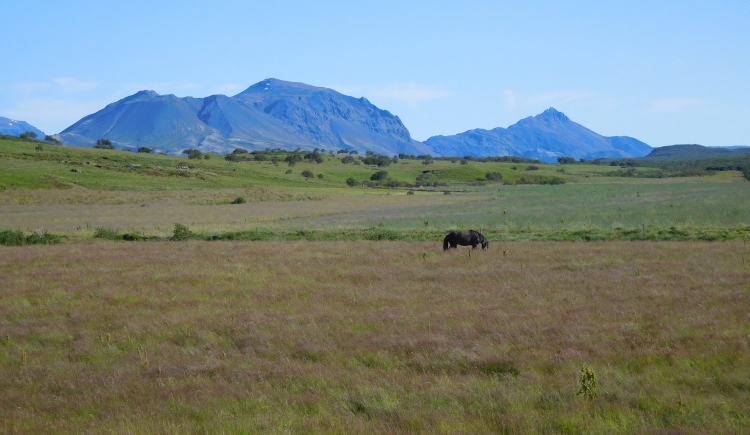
(373,337)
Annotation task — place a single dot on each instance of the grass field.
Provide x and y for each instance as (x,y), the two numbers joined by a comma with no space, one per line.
(146,194)
(374,337)
(312,328)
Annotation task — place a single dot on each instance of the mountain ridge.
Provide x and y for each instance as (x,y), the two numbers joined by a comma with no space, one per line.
(13,127)
(546,136)
(271,113)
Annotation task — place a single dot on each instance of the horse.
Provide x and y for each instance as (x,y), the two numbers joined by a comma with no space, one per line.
(473,238)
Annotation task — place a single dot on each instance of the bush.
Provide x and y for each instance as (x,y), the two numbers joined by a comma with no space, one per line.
(320,176)
(380,175)
(181,232)
(351,182)
(51,140)
(12,238)
(494,176)
(107,233)
(307,174)
(104,144)
(17,238)
(532,168)
(145,150)
(347,159)
(42,238)
(192,153)
(28,135)
(239,200)
(410,192)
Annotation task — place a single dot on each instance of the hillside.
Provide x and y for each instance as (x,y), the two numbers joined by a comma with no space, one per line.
(692,152)
(546,137)
(270,114)
(11,127)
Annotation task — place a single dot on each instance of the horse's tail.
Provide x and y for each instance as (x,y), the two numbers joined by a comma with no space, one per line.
(446,242)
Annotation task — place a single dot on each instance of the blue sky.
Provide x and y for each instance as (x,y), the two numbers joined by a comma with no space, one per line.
(664,72)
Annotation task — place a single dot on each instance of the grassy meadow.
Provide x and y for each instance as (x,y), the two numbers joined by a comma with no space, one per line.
(317,307)
(374,337)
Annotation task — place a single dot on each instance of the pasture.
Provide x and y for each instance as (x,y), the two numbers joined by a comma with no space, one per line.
(312,328)
(374,337)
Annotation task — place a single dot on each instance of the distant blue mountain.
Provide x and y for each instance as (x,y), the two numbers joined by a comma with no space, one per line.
(272,113)
(12,127)
(546,137)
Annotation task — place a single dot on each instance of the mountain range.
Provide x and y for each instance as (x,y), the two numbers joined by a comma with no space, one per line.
(11,127)
(272,113)
(545,137)
(280,114)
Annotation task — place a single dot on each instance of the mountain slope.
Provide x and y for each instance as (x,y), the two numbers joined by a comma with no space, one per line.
(12,127)
(546,136)
(272,113)
(691,152)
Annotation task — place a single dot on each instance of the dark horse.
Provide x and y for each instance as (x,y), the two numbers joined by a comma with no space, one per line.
(471,237)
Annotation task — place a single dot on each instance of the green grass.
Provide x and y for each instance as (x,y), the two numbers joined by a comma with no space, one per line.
(146,195)
(374,337)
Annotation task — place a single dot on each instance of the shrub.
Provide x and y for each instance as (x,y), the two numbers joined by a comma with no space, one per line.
(17,238)
(132,237)
(347,159)
(181,232)
(51,140)
(588,384)
(307,174)
(239,200)
(427,161)
(192,153)
(42,238)
(104,144)
(494,176)
(380,175)
(532,168)
(351,182)
(107,233)
(320,176)
(12,238)
(145,150)
(39,147)
(288,171)
(410,192)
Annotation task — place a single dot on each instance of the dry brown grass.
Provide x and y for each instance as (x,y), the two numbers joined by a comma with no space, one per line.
(155,213)
(314,337)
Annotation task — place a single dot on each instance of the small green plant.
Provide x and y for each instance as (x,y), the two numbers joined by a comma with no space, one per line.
(307,174)
(107,233)
(39,147)
(493,176)
(239,200)
(588,384)
(410,192)
(181,232)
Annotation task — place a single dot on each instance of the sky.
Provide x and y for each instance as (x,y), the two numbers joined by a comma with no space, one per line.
(665,72)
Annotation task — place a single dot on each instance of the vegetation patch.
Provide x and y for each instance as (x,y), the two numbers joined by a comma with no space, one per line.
(18,238)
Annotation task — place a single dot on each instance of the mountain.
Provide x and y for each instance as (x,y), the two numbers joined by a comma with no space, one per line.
(272,113)
(691,152)
(12,127)
(546,137)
